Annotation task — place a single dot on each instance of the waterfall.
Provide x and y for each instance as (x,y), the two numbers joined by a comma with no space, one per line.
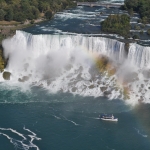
(39,44)
(65,63)
(139,55)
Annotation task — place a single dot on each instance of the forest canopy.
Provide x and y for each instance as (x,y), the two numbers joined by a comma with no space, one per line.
(20,10)
(140,6)
(119,24)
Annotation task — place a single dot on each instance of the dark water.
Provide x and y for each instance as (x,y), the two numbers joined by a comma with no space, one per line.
(65,122)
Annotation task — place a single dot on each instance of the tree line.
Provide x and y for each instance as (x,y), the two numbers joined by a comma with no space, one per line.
(87,0)
(119,24)
(20,10)
(140,6)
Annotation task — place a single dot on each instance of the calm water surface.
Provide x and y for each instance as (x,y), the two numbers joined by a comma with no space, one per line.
(63,121)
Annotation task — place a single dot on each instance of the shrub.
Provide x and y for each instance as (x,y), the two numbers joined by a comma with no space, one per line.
(19,16)
(32,21)
(135,37)
(142,26)
(119,24)
(136,27)
(148,31)
(2,14)
(9,15)
(48,14)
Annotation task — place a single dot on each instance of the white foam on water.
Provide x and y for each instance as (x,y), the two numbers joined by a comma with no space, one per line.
(143,135)
(82,15)
(14,131)
(70,121)
(137,31)
(56,116)
(25,143)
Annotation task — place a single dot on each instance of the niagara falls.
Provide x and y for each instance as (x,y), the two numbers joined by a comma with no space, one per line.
(65,63)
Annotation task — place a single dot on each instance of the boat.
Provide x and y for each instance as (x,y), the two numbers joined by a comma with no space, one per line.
(107,117)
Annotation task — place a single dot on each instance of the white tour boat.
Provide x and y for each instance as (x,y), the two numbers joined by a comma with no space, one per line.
(108,117)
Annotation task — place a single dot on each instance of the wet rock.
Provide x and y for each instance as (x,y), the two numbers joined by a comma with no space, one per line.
(68,67)
(146,73)
(140,100)
(106,93)
(142,85)
(126,93)
(6,75)
(91,86)
(126,47)
(103,89)
(25,78)
(74,89)
(79,76)
(61,90)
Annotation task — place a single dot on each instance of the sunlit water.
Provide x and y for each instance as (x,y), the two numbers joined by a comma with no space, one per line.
(33,118)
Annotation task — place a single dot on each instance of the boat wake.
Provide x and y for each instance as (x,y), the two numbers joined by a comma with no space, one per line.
(143,135)
(70,120)
(27,140)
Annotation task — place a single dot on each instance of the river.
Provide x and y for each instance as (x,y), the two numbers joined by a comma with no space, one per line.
(56,93)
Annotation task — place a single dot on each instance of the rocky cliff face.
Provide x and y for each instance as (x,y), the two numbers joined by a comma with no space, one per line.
(2,60)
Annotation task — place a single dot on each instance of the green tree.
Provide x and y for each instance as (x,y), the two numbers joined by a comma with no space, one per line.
(48,14)
(25,5)
(2,14)
(119,24)
(64,3)
(140,6)
(21,10)
(43,6)
(130,11)
(19,16)
(34,3)
(148,31)
(135,37)
(9,15)
(35,12)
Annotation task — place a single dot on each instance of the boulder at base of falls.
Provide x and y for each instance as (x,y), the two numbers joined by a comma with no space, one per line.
(6,75)
(25,78)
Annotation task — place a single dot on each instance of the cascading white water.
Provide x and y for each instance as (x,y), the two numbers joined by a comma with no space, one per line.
(65,63)
(139,55)
(38,53)
(39,44)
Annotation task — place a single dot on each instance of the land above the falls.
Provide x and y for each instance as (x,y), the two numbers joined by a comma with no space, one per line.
(119,24)
(126,25)
(139,6)
(16,15)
